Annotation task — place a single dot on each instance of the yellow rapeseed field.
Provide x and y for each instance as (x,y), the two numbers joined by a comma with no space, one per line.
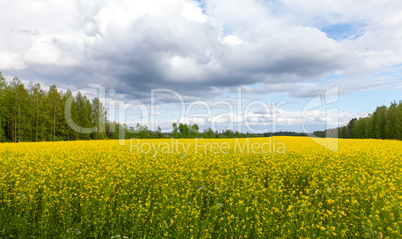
(283,187)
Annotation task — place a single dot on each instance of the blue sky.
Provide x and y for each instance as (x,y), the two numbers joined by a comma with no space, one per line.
(207,51)
(343,31)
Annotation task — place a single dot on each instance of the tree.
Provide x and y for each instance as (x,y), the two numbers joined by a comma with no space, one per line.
(209,133)
(32,114)
(57,115)
(3,86)
(84,114)
(98,117)
(184,130)
(392,121)
(194,130)
(229,133)
(142,131)
(379,122)
(345,132)
(399,120)
(41,113)
(159,133)
(18,98)
(350,128)
(175,133)
(369,127)
(359,129)
(69,132)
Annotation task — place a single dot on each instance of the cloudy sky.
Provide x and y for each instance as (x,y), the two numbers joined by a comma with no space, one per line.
(247,65)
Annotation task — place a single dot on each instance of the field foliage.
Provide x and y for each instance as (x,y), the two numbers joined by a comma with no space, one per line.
(296,189)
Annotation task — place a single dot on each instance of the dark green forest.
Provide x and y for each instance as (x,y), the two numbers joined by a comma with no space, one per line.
(384,123)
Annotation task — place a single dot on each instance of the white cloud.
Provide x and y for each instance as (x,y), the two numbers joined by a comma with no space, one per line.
(271,38)
(11,61)
(231,40)
(192,12)
(52,50)
(203,50)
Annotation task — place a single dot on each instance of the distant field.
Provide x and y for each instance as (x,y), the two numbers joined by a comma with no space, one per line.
(282,187)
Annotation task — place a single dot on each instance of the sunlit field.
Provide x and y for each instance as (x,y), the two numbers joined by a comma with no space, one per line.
(283,187)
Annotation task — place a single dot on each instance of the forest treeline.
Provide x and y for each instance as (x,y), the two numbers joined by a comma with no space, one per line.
(30,113)
(34,114)
(384,123)
(192,131)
